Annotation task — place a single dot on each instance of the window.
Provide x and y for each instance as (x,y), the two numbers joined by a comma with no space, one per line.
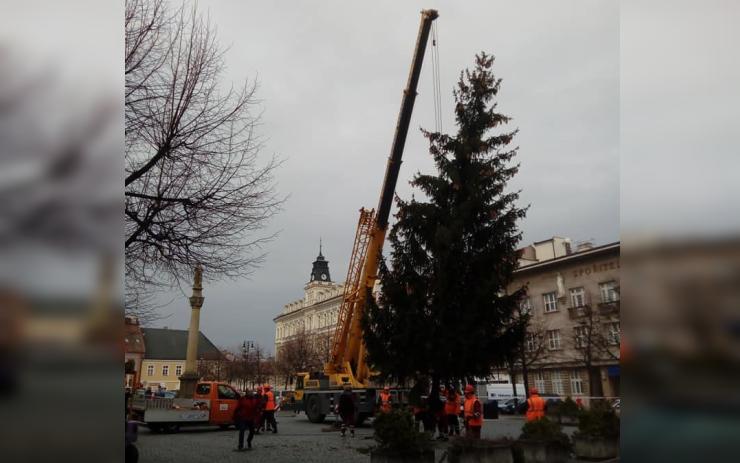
(581,336)
(178,370)
(557,383)
(609,291)
(525,305)
(165,370)
(203,389)
(150,370)
(576,383)
(225,392)
(551,301)
(577,297)
(612,333)
(529,340)
(553,339)
(539,381)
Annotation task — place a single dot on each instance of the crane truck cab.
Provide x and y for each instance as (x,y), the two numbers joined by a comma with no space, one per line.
(212,404)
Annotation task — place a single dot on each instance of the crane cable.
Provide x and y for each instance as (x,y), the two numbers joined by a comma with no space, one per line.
(437,89)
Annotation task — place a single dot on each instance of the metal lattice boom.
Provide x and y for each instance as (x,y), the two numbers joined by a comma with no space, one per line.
(351,287)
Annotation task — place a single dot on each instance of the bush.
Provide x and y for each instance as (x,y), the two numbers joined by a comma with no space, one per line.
(598,421)
(396,433)
(567,408)
(544,430)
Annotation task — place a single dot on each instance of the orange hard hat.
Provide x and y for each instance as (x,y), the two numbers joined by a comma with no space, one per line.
(469,388)
(267,386)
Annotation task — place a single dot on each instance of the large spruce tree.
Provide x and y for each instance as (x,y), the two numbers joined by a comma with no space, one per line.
(443,312)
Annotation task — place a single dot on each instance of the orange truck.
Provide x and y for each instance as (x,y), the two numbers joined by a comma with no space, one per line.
(212,404)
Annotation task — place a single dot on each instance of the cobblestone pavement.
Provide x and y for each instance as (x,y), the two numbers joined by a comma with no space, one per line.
(297,442)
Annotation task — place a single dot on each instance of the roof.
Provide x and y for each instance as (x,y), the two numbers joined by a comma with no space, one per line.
(167,344)
(595,251)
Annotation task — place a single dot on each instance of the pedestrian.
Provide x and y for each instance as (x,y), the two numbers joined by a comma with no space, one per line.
(260,415)
(148,393)
(535,405)
(473,413)
(292,404)
(270,407)
(436,411)
(452,410)
(384,400)
(245,415)
(347,409)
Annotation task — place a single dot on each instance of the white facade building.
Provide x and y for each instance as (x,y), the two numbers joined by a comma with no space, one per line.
(315,315)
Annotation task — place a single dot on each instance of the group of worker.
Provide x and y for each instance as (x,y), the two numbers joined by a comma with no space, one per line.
(440,412)
(255,412)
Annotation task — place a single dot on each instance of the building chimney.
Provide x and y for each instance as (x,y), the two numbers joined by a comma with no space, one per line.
(584,246)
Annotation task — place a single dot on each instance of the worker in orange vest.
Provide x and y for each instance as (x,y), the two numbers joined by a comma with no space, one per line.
(385,400)
(270,407)
(535,405)
(452,410)
(473,413)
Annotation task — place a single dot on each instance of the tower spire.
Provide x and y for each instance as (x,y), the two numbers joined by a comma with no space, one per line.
(320,253)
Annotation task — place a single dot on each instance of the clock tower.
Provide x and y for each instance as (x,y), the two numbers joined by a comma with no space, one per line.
(320,270)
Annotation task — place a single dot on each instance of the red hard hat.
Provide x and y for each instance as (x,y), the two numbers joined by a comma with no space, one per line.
(469,388)
(534,391)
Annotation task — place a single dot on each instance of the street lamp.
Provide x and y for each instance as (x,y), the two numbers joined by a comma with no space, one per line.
(246,347)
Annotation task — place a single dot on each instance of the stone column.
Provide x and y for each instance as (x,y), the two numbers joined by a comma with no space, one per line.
(190,376)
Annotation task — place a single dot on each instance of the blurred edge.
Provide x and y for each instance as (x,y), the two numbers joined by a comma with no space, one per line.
(61,144)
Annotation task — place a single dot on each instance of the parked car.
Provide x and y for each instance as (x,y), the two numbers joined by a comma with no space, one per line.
(509,406)
(617,406)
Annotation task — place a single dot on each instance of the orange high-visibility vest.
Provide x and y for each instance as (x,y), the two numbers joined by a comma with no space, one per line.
(472,407)
(385,401)
(535,408)
(270,405)
(452,406)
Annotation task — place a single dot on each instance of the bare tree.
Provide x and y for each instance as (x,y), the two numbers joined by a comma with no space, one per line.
(299,353)
(531,351)
(196,191)
(593,345)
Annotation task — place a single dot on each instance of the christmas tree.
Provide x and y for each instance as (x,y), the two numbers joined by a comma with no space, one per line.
(444,312)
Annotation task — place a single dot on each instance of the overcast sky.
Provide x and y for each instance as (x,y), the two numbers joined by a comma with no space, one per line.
(655,79)
(331,75)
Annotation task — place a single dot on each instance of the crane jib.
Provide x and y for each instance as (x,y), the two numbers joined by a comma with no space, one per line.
(404,118)
(347,362)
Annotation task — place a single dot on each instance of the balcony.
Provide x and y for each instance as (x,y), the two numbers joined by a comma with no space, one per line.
(578,312)
(609,308)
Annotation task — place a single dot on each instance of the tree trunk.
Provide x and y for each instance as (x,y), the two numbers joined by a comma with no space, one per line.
(594,382)
(525,374)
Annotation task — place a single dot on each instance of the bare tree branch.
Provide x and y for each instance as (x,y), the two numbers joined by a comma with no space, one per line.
(196,189)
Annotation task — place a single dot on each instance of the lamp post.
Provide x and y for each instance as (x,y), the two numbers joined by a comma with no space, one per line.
(246,347)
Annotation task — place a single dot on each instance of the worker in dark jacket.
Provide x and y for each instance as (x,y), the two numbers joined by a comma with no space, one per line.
(245,417)
(347,409)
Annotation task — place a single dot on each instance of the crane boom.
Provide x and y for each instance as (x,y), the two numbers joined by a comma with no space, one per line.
(348,351)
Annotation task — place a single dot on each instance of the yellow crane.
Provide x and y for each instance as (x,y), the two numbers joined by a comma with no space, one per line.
(318,392)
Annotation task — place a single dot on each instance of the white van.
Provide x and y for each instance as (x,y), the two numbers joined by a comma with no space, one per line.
(503,391)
